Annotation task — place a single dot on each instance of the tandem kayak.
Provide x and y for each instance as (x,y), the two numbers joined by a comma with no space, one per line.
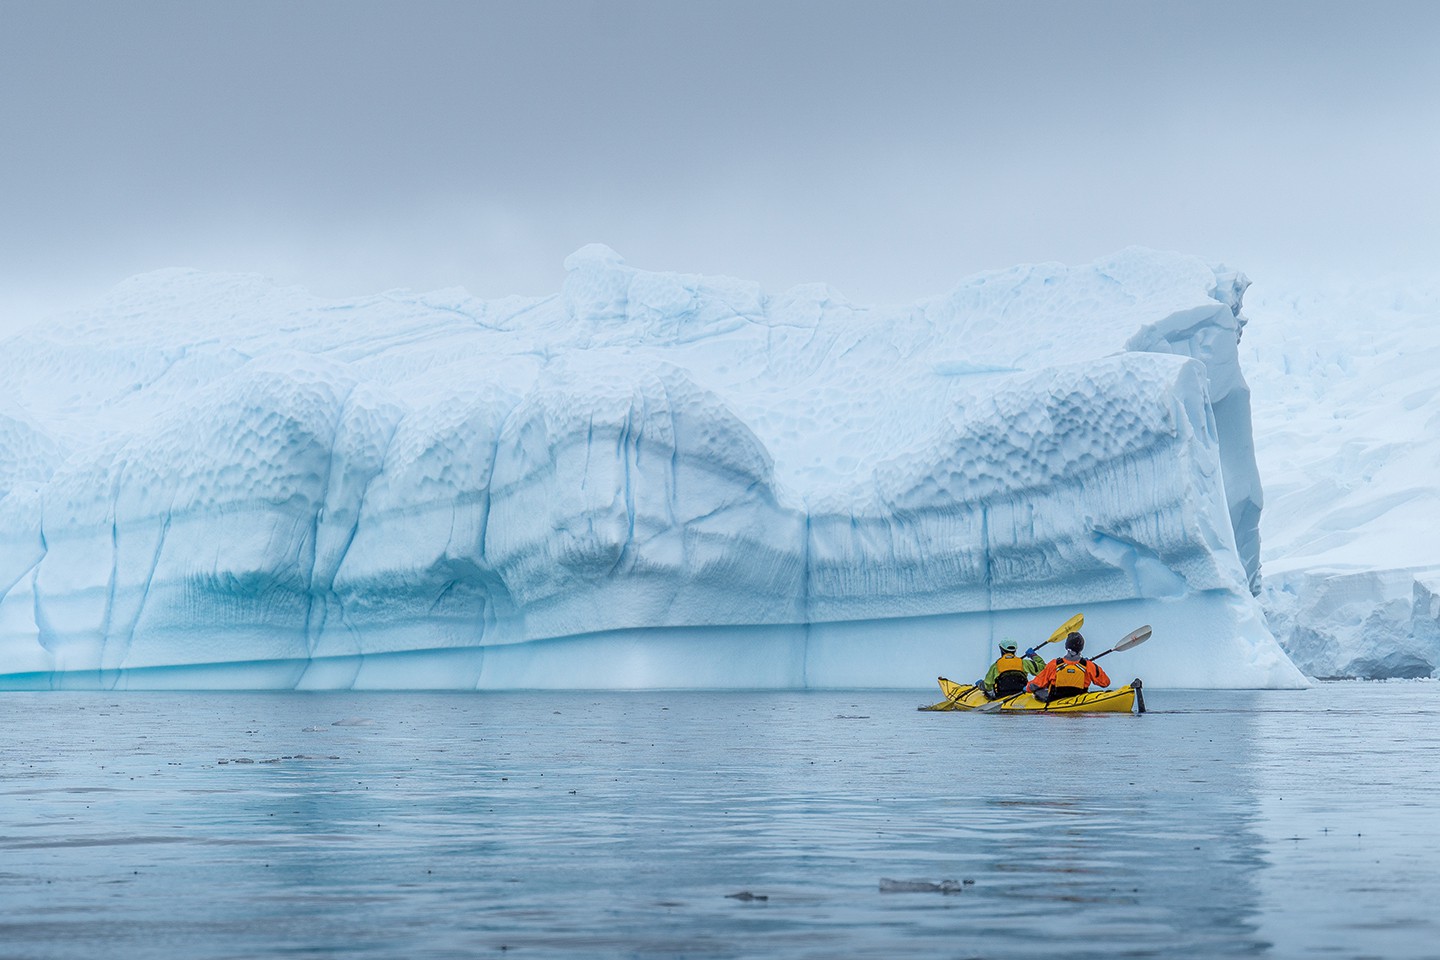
(969,697)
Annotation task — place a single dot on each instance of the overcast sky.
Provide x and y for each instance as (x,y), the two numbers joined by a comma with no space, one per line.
(887,148)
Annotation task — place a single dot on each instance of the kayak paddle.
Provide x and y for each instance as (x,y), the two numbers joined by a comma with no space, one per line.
(995,705)
(1132,639)
(1066,628)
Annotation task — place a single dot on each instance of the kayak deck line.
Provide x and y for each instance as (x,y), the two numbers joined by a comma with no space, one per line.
(970,697)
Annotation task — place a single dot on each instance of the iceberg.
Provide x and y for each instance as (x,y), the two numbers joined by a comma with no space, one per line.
(646,480)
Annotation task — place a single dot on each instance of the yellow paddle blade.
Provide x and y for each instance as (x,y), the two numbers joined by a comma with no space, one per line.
(1067,628)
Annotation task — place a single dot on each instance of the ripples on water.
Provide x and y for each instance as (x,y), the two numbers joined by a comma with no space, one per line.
(621,825)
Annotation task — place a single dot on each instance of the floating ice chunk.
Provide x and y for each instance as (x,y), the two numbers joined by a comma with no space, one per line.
(920,886)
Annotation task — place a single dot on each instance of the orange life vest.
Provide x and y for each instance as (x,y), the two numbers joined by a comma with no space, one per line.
(1071,675)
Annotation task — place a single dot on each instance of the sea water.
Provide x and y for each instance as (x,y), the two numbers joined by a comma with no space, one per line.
(826,825)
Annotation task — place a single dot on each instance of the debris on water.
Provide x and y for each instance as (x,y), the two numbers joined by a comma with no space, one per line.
(921,886)
(294,756)
(851,716)
(746,895)
(354,722)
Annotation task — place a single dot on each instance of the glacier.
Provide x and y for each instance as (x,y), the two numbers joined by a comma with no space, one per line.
(646,480)
(1347,433)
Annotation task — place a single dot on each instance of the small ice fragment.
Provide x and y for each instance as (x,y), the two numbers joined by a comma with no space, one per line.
(919,886)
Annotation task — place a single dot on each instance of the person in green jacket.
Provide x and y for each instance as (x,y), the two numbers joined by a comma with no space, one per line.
(1009,673)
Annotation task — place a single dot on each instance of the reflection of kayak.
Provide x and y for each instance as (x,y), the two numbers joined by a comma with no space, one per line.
(968,697)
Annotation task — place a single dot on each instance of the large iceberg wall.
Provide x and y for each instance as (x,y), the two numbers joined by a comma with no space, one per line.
(1348,432)
(648,480)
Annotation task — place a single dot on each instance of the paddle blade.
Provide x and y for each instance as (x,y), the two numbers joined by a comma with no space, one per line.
(995,706)
(1067,628)
(1134,638)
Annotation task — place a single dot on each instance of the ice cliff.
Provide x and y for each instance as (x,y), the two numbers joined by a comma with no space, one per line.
(649,479)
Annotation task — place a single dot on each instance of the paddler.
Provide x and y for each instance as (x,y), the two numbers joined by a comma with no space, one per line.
(1007,675)
(1068,676)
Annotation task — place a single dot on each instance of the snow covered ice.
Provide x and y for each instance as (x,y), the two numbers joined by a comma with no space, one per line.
(649,479)
(1348,434)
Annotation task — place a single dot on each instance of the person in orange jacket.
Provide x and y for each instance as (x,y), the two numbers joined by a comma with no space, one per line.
(1069,675)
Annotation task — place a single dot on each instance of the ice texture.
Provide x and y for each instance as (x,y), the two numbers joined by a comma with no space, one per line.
(1348,435)
(1372,624)
(647,480)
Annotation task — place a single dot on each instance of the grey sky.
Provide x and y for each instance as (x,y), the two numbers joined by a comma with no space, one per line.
(887,148)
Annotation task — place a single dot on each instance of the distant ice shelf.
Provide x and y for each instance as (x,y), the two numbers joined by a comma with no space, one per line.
(647,480)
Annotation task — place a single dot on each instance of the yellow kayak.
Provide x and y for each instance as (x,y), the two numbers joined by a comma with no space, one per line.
(968,697)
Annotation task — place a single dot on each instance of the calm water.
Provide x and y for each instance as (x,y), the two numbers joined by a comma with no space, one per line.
(1279,824)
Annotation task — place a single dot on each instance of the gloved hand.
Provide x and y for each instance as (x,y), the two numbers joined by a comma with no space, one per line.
(1030,652)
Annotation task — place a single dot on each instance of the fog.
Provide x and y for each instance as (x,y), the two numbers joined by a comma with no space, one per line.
(889,149)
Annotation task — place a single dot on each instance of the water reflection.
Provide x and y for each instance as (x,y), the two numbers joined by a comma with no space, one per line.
(1347,820)
(621,825)
(1140,835)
